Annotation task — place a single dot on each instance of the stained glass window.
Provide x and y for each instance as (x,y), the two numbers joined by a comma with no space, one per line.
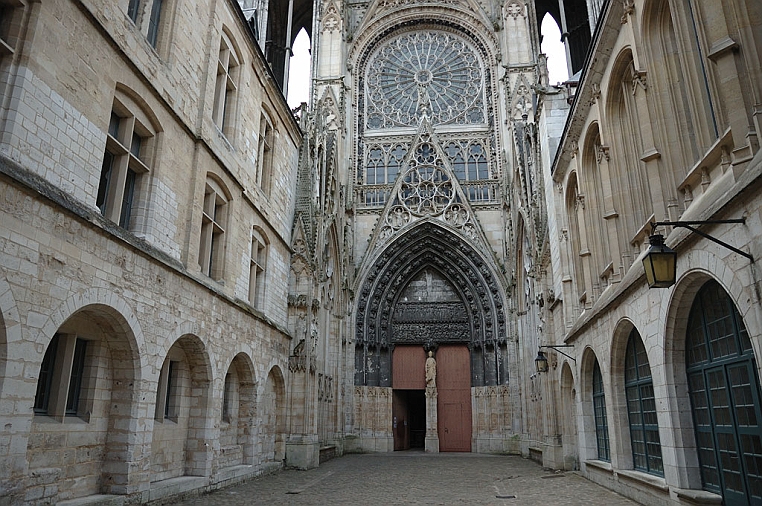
(428,72)
(437,74)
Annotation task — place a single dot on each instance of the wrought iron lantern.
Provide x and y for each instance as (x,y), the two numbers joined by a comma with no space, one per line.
(541,362)
(660,263)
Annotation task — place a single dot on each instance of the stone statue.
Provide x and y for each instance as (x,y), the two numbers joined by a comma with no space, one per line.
(431,370)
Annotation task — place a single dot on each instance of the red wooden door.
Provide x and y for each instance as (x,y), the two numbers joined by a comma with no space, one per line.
(454,398)
(409,368)
(408,373)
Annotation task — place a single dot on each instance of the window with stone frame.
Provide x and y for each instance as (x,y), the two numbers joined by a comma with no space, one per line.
(152,19)
(725,393)
(62,374)
(227,398)
(133,9)
(11,17)
(641,408)
(265,153)
(129,147)
(211,254)
(431,72)
(257,266)
(575,213)
(599,412)
(168,393)
(228,64)
(11,14)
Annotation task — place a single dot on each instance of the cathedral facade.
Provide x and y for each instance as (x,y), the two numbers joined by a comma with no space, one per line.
(442,250)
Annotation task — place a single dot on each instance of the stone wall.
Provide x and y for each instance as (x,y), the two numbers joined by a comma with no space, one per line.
(373,419)
(160,335)
(618,169)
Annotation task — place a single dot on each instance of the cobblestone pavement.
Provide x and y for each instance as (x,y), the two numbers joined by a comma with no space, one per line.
(421,479)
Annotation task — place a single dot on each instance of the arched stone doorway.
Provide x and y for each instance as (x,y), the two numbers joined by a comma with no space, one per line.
(430,290)
(725,397)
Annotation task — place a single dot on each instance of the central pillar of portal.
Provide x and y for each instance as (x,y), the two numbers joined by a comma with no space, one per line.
(432,436)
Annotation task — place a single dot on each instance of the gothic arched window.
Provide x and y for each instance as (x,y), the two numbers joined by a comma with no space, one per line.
(725,397)
(435,73)
(641,408)
(601,422)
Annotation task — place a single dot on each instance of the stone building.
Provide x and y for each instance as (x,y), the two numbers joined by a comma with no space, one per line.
(148,187)
(659,398)
(199,285)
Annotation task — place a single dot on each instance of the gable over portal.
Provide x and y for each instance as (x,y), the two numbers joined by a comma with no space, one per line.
(461,279)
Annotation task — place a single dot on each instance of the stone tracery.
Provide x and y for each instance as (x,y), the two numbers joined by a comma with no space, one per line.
(377,327)
(430,73)
(435,72)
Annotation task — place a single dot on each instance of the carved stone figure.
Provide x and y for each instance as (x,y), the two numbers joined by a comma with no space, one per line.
(431,370)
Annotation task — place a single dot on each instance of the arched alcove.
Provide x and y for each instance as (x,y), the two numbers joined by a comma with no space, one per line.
(273,417)
(569,417)
(85,399)
(238,413)
(179,447)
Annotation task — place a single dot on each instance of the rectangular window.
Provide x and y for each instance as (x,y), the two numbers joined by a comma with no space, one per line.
(135,145)
(45,381)
(133,10)
(113,125)
(62,376)
(226,395)
(11,15)
(128,143)
(211,243)
(225,87)
(266,139)
(171,403)
(75,380)
(103,186)
(127,199)
(153,23)
(258,258)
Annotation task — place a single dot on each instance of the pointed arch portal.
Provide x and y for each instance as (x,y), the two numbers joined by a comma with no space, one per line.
(462,305)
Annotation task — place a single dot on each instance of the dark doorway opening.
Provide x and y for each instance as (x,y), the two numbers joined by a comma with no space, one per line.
(409,419)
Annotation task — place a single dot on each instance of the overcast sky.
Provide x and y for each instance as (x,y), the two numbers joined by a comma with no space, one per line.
(299,70)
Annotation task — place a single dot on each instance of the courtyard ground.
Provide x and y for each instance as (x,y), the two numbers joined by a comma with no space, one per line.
(418,478)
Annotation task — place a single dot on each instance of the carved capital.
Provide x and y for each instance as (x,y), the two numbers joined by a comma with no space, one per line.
(602,152)
(628,9)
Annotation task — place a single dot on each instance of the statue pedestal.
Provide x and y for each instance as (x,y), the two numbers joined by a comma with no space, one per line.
(432,437)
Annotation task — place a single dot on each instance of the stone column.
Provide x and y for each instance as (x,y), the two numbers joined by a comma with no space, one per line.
(432,436)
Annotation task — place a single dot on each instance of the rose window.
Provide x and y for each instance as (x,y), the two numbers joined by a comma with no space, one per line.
(431,73)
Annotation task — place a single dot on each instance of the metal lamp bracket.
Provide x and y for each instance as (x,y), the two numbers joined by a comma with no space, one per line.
(556,346)
(690,225)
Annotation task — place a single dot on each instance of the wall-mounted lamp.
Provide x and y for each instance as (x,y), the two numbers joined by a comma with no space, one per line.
(660,262)
(541,362)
